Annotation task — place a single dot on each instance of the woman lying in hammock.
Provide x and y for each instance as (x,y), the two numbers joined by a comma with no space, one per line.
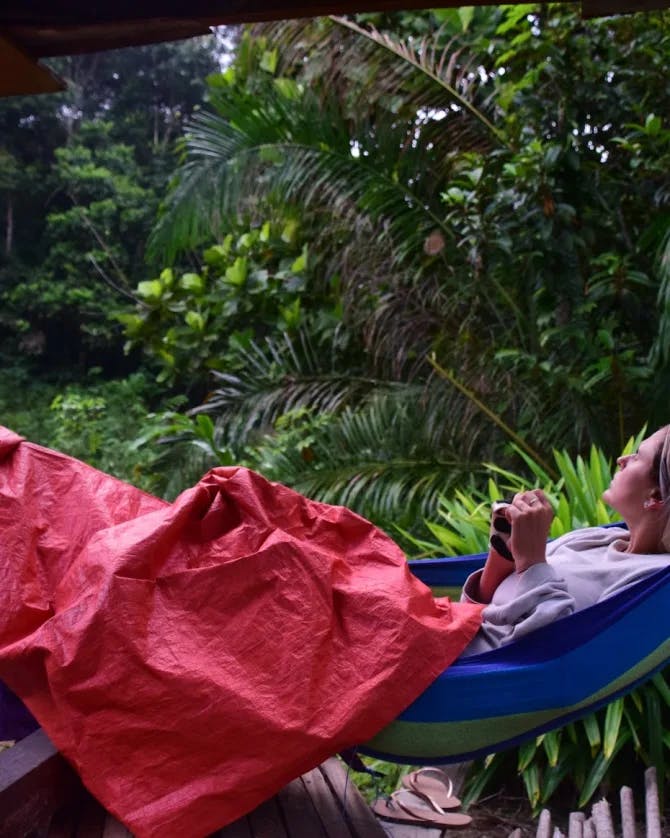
(539,582)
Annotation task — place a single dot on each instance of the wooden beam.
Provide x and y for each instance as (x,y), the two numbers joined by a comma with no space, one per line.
(20,74)
(35,781)
(43,41)
(606,8)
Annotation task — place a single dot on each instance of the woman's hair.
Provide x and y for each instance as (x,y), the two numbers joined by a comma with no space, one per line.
(661,467)
(661,474)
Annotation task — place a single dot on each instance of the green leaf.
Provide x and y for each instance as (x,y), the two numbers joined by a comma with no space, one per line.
(661,685)
(150,290)
(195,320)
(531,780)
(288,88)
(598,771)
(527,753)
(192,282)
(300,264)
(652,125)
(482,779)
(291,314)
(217,255)
(269,60)
(612,726)
(289,232)
(592,730)
(466,15)
(236,274)
(655,728)
(551,743)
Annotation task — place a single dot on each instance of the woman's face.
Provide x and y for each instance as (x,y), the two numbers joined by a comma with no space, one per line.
(634,481)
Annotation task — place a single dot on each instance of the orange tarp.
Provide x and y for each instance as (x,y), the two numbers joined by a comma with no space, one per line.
(189,659)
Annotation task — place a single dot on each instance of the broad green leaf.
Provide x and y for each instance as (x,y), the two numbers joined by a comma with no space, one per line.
(291,314)
(289,232)
(300,264)
(195,320)
(269,60)
(652,125)
(192,282)
(236,274)
(150,289)
(167,277)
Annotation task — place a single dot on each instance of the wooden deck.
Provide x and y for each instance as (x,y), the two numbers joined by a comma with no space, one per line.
(41,797)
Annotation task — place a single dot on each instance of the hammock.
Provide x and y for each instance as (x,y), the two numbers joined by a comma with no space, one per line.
(478,705)
(495,700)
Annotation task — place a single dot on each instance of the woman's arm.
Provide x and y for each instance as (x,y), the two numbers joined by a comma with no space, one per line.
(537,596)
(485,583)
(532,599)
(530,516)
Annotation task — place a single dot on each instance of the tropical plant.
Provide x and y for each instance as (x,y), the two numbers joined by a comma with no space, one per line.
(345,457)
(251,284)
(603,748)
(504,246)
(80,177)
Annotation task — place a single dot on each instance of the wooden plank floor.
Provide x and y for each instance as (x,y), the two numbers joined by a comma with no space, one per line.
(35,781)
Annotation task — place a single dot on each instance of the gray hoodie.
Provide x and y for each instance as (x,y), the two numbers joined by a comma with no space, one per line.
(582,568)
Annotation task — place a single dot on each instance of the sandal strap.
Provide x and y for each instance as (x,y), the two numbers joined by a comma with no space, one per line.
(437,774)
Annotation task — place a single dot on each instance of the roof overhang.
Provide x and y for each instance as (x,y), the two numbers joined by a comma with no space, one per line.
(34,29)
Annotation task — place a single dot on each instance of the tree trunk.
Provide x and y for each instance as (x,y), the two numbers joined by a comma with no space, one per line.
(9,225)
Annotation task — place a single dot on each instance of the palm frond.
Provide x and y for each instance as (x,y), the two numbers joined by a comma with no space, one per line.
(407,79)
(384,459)
(229,168)
(280,376)
(660,350)
(385,163)
(442,68)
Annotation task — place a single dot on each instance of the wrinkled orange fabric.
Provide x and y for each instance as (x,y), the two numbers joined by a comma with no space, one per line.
(189,659)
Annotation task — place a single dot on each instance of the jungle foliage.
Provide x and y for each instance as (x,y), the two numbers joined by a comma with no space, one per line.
(483,195)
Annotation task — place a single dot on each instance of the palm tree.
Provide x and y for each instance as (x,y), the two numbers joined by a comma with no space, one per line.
(449,224)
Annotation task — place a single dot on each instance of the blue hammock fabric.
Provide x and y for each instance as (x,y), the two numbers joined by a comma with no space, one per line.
(493,701)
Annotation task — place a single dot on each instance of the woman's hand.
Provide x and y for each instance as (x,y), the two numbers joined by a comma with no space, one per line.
(499,565)
(530,515)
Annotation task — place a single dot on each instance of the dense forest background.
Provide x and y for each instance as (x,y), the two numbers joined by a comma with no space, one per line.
(365,256)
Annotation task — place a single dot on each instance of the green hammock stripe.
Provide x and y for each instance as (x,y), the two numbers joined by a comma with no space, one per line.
(435,740)
(453,592)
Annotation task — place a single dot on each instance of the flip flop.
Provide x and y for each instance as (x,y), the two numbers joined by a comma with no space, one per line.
(404,806)
(390,809)
(433,785)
